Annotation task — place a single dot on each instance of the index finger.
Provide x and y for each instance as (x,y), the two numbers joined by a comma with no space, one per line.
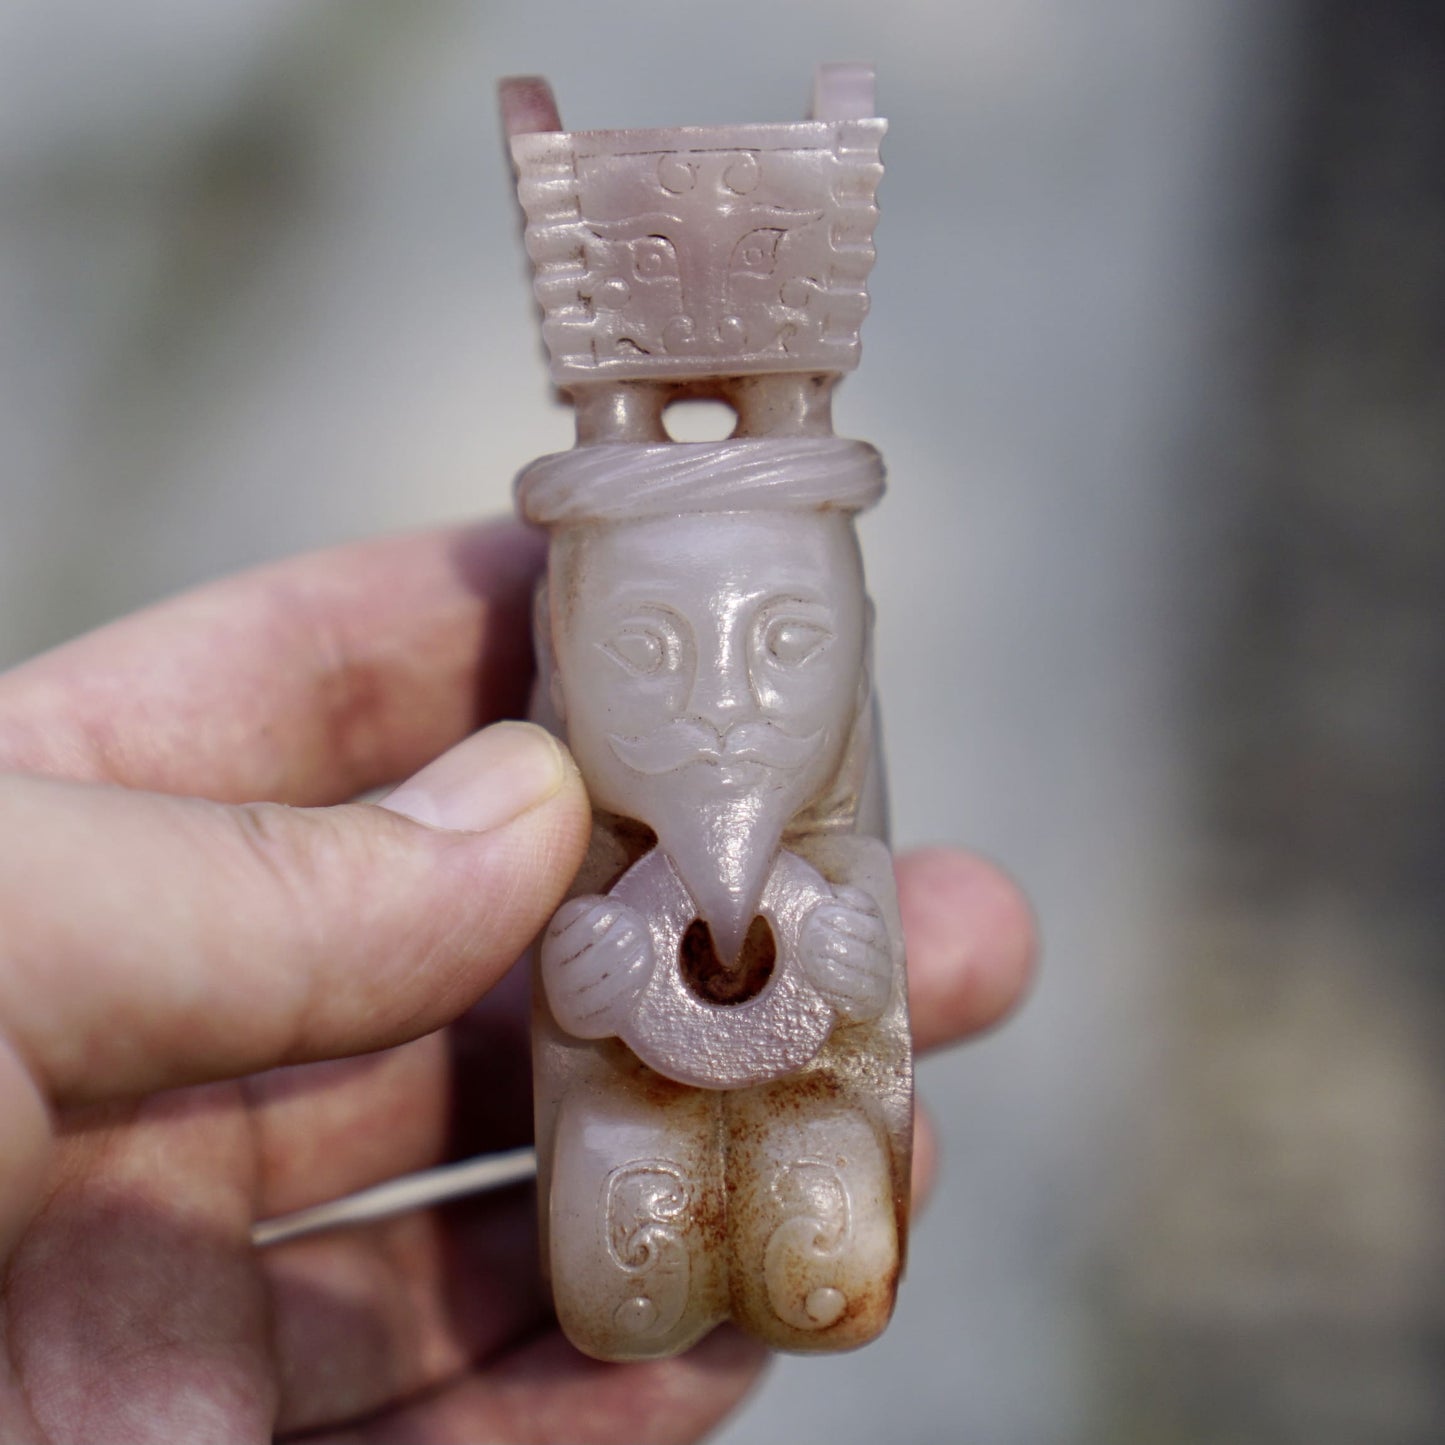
(304,682)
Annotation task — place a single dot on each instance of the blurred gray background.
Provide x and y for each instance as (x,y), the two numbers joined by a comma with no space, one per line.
(1156,362)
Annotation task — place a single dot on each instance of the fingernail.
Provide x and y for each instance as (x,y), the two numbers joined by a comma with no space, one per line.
(486,781)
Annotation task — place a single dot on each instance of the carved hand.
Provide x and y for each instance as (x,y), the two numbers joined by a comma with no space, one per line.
(596,958)
(845,954)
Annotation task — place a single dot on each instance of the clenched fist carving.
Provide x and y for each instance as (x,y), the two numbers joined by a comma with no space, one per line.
(845,955)
(596,959)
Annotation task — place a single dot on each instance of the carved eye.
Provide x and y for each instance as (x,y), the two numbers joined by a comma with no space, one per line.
(757,252)
(654,258)
(791,641)
(644,647)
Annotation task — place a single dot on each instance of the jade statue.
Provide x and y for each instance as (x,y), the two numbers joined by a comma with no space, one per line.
(722,1063)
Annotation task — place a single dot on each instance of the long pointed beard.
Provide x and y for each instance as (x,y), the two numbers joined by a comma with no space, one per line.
(724,850)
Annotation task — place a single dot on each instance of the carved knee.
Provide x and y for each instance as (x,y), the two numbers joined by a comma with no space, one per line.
(812,1232)
(636,1214)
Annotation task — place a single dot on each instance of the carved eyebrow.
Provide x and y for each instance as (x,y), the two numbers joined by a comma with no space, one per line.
(804,601)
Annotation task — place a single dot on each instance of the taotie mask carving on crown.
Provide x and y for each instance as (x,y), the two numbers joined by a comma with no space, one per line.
(723,1077)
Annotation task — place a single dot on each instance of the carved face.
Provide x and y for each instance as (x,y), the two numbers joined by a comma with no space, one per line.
(708,672)
(717,654)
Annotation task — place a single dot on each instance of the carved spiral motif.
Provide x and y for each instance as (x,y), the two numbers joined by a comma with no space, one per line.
(802,1252)
(647,1205)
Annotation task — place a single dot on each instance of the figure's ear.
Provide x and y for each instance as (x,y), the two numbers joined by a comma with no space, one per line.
(549,681)
(854,799)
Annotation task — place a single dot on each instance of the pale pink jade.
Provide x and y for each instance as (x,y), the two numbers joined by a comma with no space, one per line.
(723,1072)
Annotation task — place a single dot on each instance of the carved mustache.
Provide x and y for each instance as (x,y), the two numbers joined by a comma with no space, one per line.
(684,740)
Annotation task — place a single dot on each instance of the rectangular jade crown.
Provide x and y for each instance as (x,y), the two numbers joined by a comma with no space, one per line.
(702,251)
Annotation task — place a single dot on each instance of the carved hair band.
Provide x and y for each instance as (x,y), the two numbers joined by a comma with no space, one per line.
(616,481)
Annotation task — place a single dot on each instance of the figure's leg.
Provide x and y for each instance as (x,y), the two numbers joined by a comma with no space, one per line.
(812,1233)
(636,1212)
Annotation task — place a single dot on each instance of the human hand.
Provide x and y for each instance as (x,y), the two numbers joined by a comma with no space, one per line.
(185,984)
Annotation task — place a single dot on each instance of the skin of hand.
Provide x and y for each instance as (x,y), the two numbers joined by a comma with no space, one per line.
(226,993)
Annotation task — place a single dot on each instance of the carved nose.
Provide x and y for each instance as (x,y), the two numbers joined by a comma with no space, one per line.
(720,699)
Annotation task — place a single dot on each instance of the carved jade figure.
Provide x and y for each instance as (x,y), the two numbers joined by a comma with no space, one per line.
(723,1075)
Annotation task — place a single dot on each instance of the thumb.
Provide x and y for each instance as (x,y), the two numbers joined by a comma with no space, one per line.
(150,941)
